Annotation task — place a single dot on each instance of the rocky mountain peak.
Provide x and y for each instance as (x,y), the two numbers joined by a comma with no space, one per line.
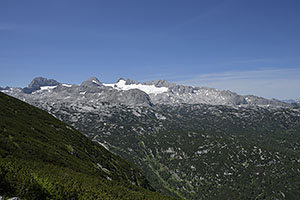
(127,81)
(92,81)
(38,82)
(121,79)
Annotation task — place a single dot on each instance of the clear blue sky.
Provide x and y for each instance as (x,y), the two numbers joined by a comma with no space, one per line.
(192,42)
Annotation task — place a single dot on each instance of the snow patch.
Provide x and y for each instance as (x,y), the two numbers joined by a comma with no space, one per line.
(66,85)
(49,88)
(94,81)
(149,89)
(109,84)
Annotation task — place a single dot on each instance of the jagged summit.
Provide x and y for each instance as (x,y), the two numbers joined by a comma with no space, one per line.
(92,81)
(121,79)
(130,82)
(39,82)
(127,81)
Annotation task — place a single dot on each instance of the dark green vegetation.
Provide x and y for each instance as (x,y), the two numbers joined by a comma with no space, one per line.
(202,151)
(43,158)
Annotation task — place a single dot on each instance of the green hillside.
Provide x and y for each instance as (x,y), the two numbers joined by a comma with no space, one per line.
(43,158)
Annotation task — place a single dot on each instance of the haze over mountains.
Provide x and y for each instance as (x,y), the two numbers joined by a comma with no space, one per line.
(189,142)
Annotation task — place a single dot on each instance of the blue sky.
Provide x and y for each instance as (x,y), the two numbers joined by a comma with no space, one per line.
(247,46)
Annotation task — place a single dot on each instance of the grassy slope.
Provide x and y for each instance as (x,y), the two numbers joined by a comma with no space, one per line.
(43,158)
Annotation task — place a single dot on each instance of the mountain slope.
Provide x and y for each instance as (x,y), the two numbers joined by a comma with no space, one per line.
(43,158)
(200,151)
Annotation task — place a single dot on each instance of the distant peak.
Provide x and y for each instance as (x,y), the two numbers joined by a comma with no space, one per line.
(92,81)
(128,81)
(38,82)
(121,79)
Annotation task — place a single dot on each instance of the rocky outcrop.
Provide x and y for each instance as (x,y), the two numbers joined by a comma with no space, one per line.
(37,83)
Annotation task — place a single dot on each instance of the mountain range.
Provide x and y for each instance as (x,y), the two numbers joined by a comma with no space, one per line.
(130,92)
(189,142)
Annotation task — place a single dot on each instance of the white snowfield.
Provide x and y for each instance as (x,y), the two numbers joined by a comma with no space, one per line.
(48,87)
(66,85)
(149,89)
(52,87)
(121,85)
